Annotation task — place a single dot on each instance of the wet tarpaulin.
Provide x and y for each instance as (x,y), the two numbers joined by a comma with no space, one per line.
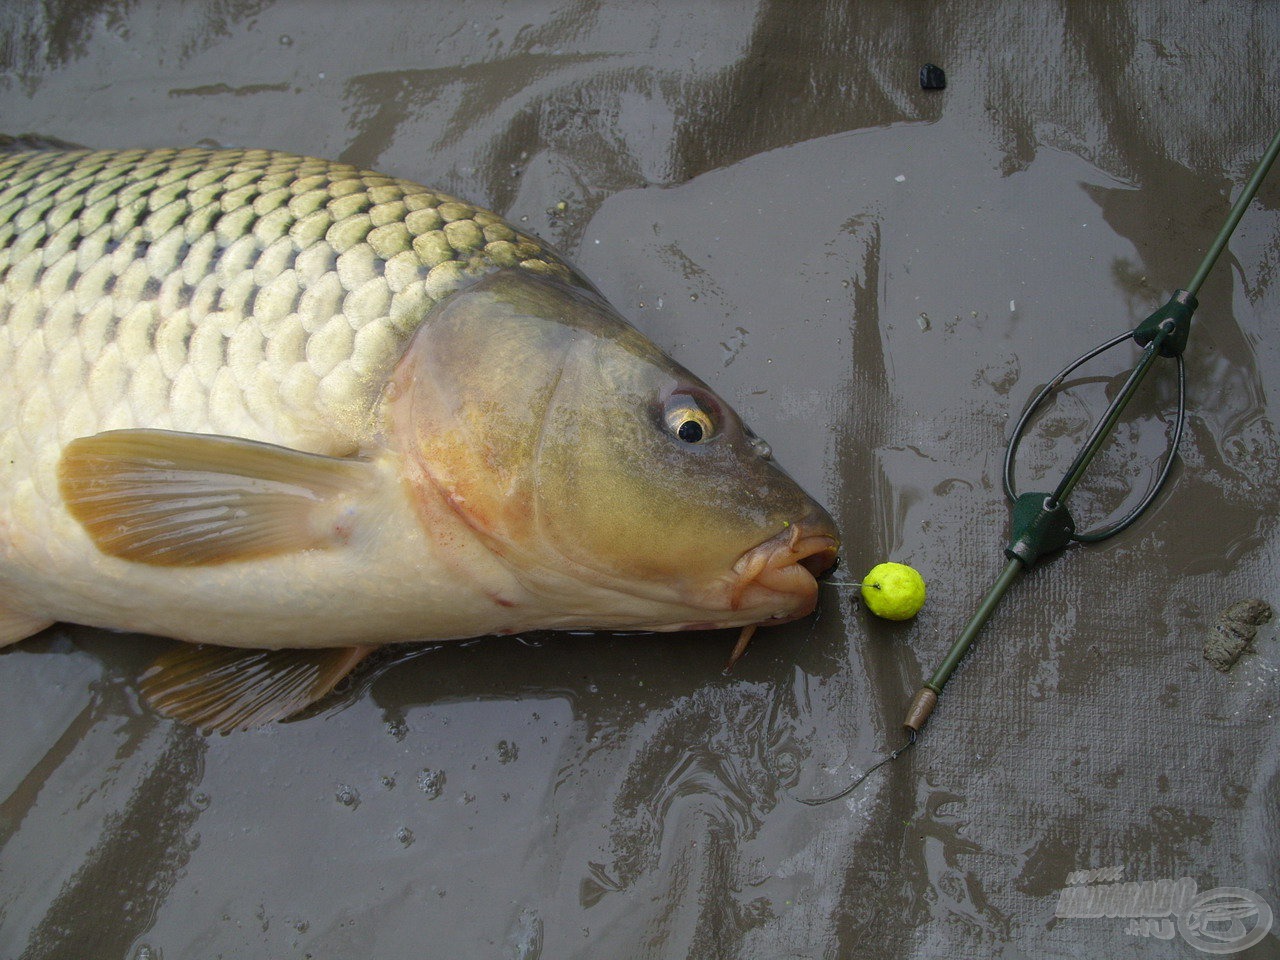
(878,277)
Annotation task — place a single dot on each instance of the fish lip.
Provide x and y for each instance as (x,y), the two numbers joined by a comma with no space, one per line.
(785,566)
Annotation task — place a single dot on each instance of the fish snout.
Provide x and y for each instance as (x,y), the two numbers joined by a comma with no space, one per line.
(782,571)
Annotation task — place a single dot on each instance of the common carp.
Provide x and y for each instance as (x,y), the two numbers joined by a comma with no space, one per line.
(288,410)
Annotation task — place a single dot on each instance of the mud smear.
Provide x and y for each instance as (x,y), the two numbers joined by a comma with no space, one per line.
(1234,631)
(112,899)
(774,200)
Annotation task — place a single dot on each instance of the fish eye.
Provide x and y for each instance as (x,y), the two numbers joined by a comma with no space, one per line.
(689,419)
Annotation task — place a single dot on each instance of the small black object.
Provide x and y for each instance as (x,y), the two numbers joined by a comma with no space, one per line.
(932,78)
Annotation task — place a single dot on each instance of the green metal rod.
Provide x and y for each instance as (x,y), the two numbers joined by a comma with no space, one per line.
(1233,218)
(979,620)
(926,697)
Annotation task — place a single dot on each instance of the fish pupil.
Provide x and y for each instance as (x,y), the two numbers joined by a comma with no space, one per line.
(690,431)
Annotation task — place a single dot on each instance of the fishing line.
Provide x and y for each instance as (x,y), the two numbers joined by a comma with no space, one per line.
(1041,524)
(912,736)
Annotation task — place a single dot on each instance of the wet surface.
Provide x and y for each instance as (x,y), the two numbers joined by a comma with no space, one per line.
(878,277)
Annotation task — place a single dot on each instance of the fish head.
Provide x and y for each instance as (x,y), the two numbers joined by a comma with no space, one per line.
(616,484)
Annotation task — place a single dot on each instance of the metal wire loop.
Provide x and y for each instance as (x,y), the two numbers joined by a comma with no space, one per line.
(1020,430)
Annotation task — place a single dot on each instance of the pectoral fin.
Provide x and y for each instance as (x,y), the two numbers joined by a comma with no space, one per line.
(226,688)
(187,499)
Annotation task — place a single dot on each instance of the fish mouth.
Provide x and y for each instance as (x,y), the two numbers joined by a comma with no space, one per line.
(785,569)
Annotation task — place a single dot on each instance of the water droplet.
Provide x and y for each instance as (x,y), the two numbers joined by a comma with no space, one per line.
(348,796)
(286,40)
(785,764)
(526,937)
(431,782)
(397,728)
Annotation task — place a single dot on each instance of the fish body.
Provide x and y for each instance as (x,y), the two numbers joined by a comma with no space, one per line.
(246,294)
(258,400)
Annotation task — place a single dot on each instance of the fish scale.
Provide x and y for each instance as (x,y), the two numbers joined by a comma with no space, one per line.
(249,293)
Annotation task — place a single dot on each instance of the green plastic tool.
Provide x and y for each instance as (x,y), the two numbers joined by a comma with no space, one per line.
(1041,523)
